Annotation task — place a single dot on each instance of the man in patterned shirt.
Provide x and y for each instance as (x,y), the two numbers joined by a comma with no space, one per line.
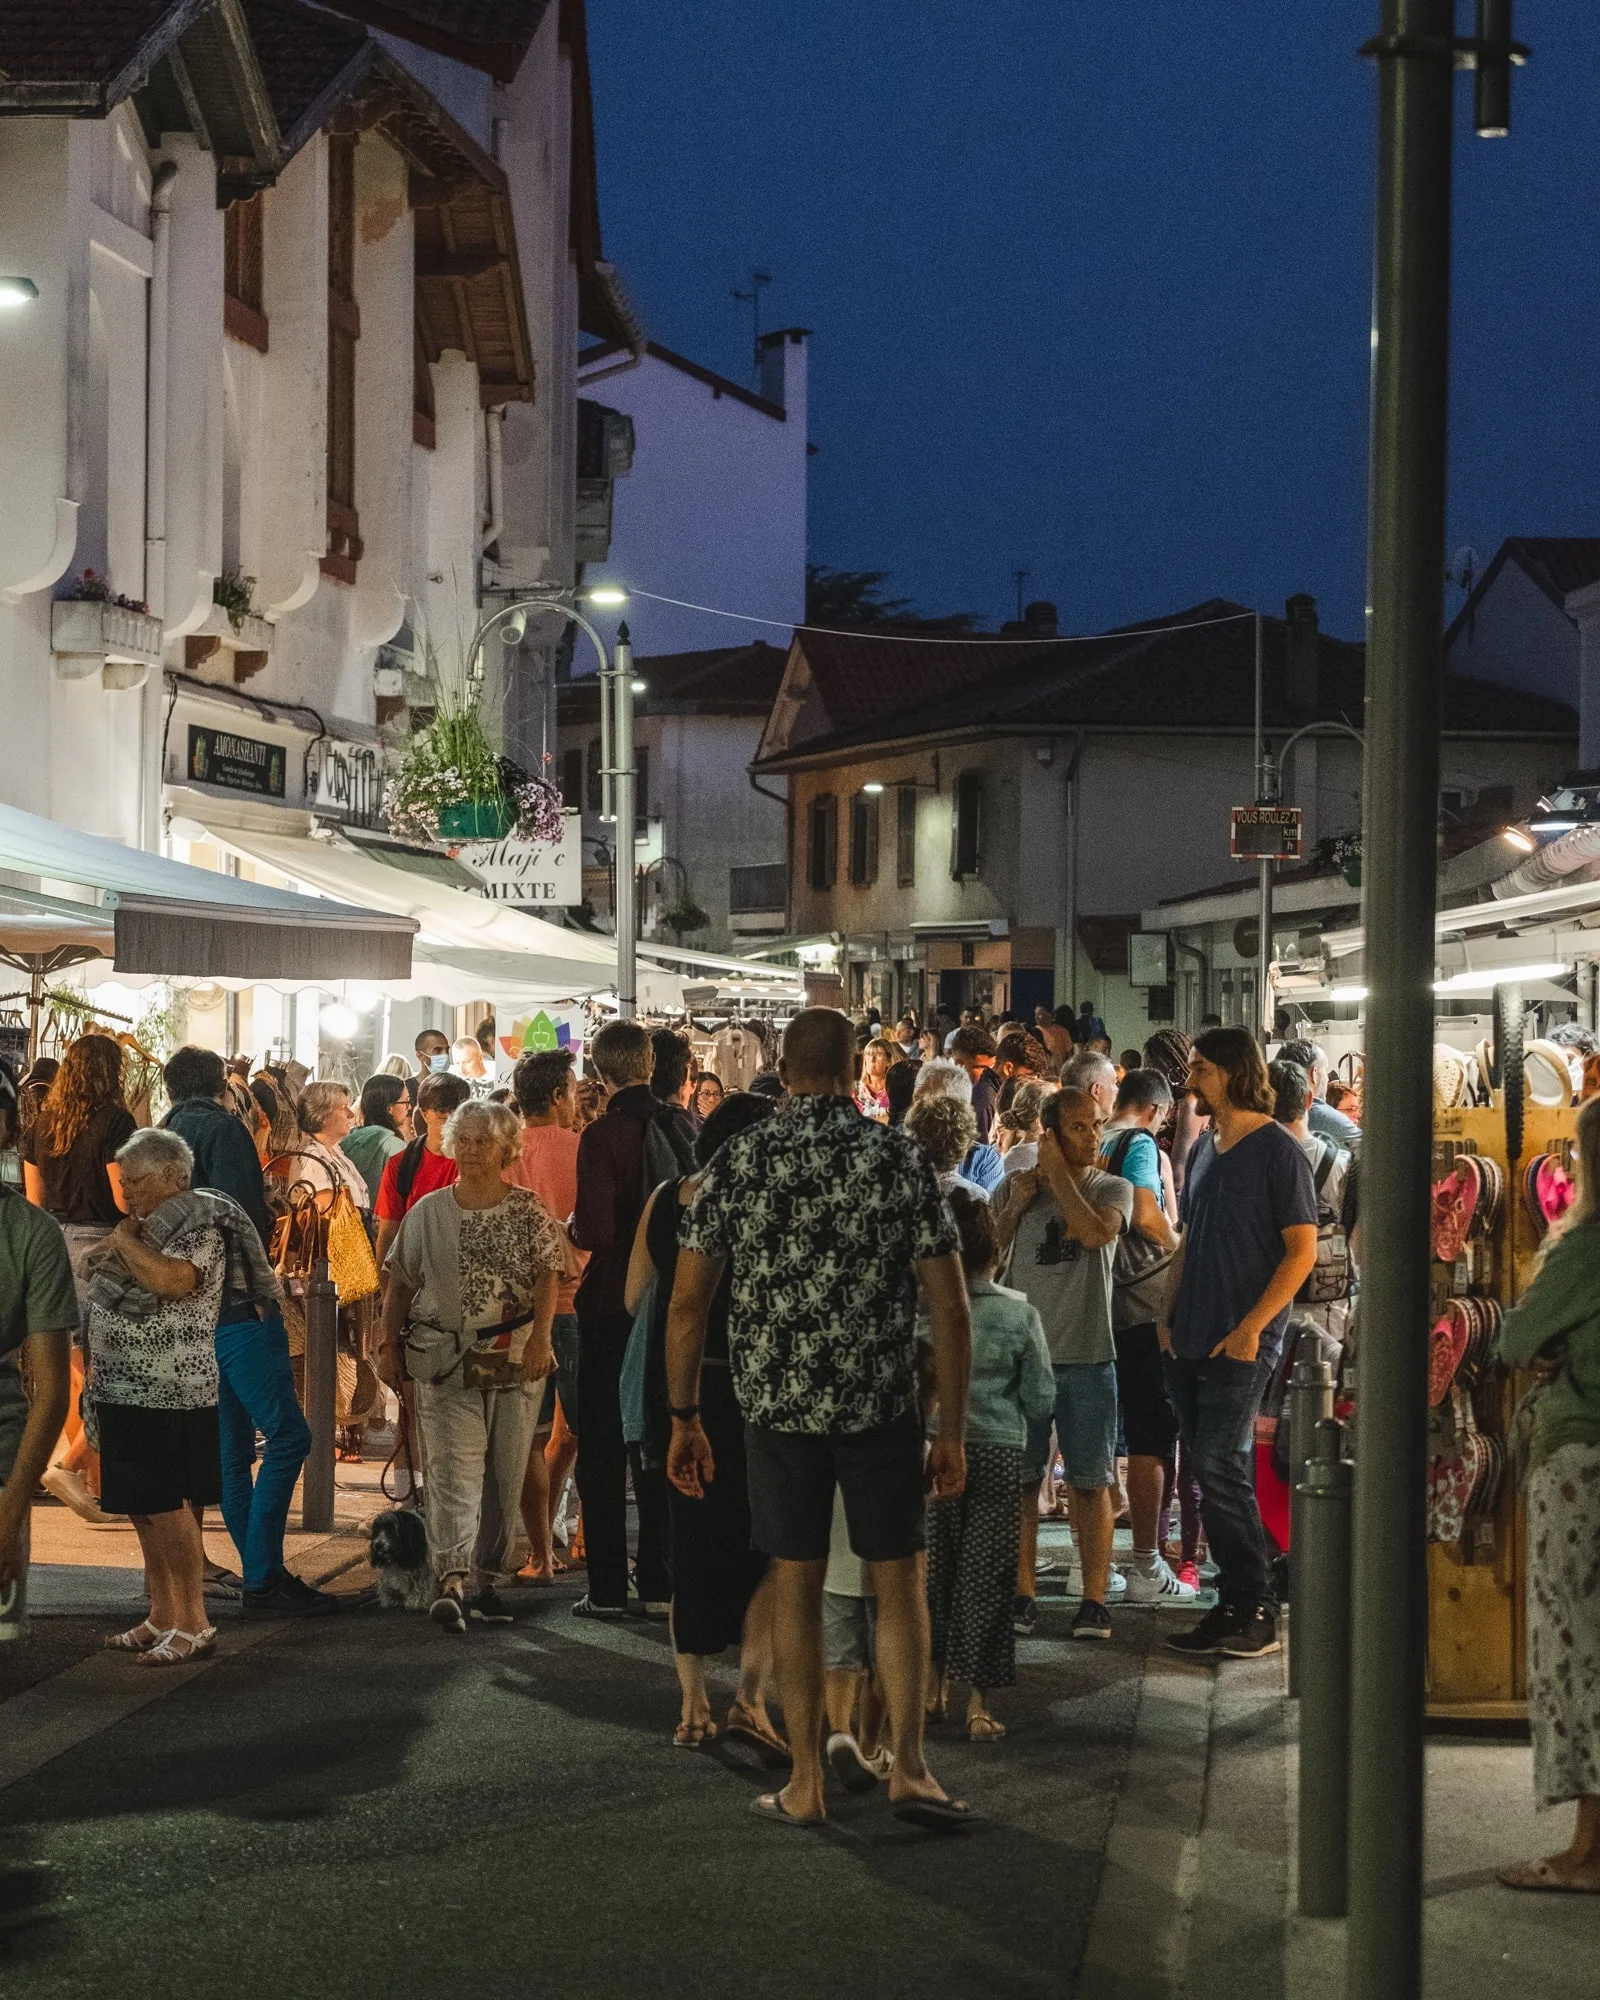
(829,1221)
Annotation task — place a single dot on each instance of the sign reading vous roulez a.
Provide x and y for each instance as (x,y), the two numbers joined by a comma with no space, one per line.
(235,763)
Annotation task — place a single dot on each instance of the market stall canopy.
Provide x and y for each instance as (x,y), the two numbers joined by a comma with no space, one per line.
(180,922)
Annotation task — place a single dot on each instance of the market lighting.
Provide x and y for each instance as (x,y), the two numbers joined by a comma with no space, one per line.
(339,1022)
(641,687)
(16,292)
(606,594)
(1519,838)
(873,789)
(1345,996)
(1486,979)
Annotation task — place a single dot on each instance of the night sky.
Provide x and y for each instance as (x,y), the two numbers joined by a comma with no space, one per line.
(1089,279)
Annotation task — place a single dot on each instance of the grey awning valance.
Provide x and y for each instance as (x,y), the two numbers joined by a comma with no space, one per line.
(178,939)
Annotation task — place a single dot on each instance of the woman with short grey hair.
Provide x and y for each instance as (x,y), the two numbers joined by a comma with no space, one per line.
(471,1292)
(152,1390)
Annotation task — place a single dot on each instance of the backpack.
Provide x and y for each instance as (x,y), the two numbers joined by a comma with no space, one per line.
(1330,1275)
(1138,1267)
(661,1162)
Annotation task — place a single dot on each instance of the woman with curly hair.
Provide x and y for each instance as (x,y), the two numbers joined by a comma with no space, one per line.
(945,1128)
(69,1168)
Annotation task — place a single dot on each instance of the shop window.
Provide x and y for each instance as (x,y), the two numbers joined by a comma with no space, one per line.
(824,841)
(572,780)
(967,826)
(906,836)
(863,840)
(243,247)
(344,330)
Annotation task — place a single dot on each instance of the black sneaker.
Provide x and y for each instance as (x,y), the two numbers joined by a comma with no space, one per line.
(587,1608)
(312,1603)
(1024,1617)
(1206,1637)
(488,1607)
(1092,1622)
(1252,1636)
(286,1597)
(448,1612)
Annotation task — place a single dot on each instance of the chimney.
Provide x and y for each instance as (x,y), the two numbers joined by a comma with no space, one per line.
(1038,621)
(1302,680)
(783,371)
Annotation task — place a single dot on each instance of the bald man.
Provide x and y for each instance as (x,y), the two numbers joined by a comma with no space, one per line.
(829,1222)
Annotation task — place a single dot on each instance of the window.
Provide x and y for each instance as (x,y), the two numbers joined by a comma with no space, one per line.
(242,252)
(967,842)
(906,836)
(824,841)
(344,330)
(594,787)
(572,780)
(863,840)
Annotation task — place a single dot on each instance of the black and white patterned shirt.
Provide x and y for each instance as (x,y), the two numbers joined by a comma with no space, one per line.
(823,1215)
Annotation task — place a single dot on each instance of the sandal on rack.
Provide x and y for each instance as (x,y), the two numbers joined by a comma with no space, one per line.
(178,1649)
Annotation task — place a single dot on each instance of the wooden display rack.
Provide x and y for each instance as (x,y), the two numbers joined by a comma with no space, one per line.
(1477,1635)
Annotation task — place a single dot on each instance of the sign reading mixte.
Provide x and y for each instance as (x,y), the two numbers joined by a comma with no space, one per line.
(535,873)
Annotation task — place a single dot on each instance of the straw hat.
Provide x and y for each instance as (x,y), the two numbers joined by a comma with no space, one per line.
(1548,1073)
(1449,1077)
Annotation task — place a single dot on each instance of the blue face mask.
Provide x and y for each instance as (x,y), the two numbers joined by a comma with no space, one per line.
(439,1063)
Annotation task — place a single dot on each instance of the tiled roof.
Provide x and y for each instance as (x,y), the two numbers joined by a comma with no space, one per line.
(305,55)
(1558,563)
(1194,671)
(491,35)
(727,680)
(60,41)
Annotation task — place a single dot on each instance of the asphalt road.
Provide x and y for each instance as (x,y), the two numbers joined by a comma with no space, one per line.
(364,1805)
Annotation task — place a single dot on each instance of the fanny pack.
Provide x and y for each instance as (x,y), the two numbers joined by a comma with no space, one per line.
(434,1353)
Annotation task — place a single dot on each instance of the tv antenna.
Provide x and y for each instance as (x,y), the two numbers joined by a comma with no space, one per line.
(759,280)
(1021,576)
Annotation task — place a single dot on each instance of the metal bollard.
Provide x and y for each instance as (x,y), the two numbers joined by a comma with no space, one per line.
(1310,1400)
(1327,1492)
(322,1396)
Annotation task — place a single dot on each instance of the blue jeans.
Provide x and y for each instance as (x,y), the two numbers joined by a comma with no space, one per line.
(1216,1401)
(256,1393)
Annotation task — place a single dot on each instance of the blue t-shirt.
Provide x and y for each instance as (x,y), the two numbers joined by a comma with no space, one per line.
(1140,1161)
(1236,1211)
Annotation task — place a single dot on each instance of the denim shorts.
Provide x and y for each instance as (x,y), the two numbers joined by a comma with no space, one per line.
(563,1379)
(849,1632)
(1085,1422)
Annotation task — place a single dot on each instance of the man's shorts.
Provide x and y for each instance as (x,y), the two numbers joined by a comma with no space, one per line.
(562,1380)
(1085,1423)
(1148,1419)
(879,1472)
(849,1632)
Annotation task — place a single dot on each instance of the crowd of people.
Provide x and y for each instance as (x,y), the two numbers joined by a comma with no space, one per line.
(846,1321)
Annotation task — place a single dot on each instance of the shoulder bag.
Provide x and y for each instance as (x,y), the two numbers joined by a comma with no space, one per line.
(1138,1270)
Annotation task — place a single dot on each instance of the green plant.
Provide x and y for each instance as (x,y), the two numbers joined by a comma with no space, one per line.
(685,916)
(233,590)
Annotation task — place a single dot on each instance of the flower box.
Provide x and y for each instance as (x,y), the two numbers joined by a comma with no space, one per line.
(473,820)
(86,636)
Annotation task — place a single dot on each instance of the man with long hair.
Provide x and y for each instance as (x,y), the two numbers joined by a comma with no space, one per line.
(1250,1240)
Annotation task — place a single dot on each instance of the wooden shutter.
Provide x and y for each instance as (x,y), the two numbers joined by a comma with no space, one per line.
(906,837)
(344,330)
(824,841)
(863,840)
(243,248)
(967,843)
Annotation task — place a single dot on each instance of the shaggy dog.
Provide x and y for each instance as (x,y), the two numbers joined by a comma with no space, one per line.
(399,1553)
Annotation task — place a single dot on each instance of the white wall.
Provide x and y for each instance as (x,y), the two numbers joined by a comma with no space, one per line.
(713,510)
(1520,639)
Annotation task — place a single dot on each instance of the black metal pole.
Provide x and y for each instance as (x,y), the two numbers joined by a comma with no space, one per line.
(322,1397)
(1406,556)
(1323,1641)
(1311,1387)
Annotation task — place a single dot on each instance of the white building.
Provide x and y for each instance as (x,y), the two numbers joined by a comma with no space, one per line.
(713,511)
(1532,621)
(300,379)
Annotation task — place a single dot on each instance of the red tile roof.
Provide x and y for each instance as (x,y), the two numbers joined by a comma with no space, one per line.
(1193,671)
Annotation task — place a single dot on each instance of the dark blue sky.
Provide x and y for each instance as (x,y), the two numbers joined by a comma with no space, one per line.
(1090,279)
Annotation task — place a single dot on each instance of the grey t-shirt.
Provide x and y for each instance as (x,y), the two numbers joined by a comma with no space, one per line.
(36,1296)
(1067,1284)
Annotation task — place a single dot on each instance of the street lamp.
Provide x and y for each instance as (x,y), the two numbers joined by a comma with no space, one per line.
(617,687)
(16,292)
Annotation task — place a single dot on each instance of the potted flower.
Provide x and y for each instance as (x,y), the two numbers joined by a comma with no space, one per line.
(1346,856)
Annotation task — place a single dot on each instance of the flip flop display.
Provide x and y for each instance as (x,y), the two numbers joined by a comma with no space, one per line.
(1455,1202)
(1547,1190)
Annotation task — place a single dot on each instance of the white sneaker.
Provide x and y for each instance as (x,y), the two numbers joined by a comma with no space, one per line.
(1158,1586)
(1116,1584)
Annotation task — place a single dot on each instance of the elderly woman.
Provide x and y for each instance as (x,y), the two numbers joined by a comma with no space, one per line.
(946,1129)
(472,1283)
(153,1387)
(327,1116)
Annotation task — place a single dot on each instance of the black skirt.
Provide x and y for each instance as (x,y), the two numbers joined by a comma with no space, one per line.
(156,1461)
(714,1569)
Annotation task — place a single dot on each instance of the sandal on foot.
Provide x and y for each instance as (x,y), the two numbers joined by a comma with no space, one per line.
(769,1806)
(690,1735)
(754,1730)
(934,1815)
(224,1583)
(984,1729)
(193,1645)
(140,1638)
(1540,1875)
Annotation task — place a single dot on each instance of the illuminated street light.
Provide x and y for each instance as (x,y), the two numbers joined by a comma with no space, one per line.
(607,595)
(16,292)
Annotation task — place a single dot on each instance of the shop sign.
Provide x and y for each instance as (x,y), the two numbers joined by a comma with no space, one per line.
(1148,959)
(345,778)
(538,874)
(1266,833)
(235,763)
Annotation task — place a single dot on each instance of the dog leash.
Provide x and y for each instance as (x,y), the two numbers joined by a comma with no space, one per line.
(402,1444)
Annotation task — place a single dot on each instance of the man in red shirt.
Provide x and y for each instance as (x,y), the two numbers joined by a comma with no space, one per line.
(546,1094)
(421,1168)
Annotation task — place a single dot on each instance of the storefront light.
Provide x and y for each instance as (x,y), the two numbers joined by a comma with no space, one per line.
(361,997)
(1346,996)
(16,292)
(1486,979)
(1519,838)
(339,1022)
(873,789)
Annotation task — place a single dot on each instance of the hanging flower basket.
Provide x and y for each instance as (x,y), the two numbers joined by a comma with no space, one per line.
(477,819)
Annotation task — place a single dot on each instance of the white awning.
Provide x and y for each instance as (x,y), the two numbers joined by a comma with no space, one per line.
(176,921)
